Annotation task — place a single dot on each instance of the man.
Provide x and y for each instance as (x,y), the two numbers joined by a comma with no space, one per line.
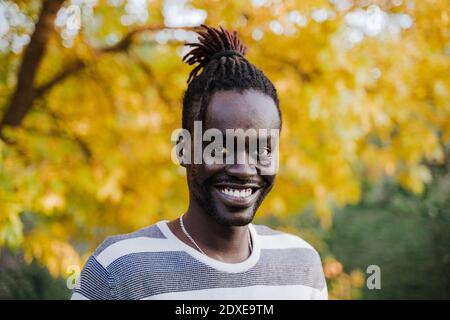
(213,251)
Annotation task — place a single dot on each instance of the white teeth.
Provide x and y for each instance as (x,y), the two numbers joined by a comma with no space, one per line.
(238,193)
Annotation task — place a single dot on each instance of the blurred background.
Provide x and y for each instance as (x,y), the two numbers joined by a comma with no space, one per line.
(90,92)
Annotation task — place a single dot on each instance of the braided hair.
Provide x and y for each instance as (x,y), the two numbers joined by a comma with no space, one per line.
(220,56)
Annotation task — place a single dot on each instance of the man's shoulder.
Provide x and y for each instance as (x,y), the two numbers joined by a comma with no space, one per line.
(129,239)
(274,238)
(291,249)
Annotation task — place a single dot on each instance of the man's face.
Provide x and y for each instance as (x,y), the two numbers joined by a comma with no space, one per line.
(232,192)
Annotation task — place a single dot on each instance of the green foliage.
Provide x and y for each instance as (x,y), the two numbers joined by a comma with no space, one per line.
(20,280)
(407,236)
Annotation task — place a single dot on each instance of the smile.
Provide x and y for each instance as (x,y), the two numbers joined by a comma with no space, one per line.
(236,195)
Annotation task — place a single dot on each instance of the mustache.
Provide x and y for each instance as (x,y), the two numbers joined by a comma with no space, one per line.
(235,180)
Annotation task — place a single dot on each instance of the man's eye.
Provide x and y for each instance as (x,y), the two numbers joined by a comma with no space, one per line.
(263,155)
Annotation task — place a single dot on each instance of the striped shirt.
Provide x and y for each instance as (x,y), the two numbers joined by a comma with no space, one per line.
(152,263)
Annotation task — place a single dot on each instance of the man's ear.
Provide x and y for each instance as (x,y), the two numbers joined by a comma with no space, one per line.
(181,157)
(181,151)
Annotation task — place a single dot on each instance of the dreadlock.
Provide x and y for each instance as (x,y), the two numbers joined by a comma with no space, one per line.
(220,55)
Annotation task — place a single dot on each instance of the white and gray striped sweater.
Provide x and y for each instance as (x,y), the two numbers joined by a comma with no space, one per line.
(152,263)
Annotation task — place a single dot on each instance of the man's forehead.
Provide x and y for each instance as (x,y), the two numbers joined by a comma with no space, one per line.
(247,110)
(261,133)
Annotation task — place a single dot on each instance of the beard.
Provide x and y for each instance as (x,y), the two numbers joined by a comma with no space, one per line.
(229,219)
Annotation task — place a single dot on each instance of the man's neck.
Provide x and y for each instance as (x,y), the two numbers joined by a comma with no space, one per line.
(225,243)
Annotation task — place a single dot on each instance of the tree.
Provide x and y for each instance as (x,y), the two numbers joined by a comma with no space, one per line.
(89,104)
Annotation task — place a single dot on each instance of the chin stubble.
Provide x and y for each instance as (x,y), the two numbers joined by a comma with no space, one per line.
(211,209)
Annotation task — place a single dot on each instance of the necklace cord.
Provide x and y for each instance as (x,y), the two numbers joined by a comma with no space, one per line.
(183,228)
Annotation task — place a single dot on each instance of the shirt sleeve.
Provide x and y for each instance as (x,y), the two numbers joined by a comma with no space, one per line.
(320,294)
(320,291)
(95,283)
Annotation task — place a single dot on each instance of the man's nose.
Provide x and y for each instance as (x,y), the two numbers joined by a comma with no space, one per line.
(243,168)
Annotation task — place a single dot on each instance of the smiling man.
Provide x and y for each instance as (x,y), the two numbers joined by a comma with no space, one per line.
(213,250)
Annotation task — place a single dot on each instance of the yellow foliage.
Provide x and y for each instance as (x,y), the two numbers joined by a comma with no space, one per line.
(93,154)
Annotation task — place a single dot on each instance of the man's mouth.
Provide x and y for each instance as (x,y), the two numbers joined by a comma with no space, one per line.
(237,195)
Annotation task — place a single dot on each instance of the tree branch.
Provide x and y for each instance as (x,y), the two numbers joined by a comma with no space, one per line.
(69,70)
(25,92)
(23,96)
(150,74)
(61,131)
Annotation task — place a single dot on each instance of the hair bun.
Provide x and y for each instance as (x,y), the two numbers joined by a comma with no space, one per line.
(213,44)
